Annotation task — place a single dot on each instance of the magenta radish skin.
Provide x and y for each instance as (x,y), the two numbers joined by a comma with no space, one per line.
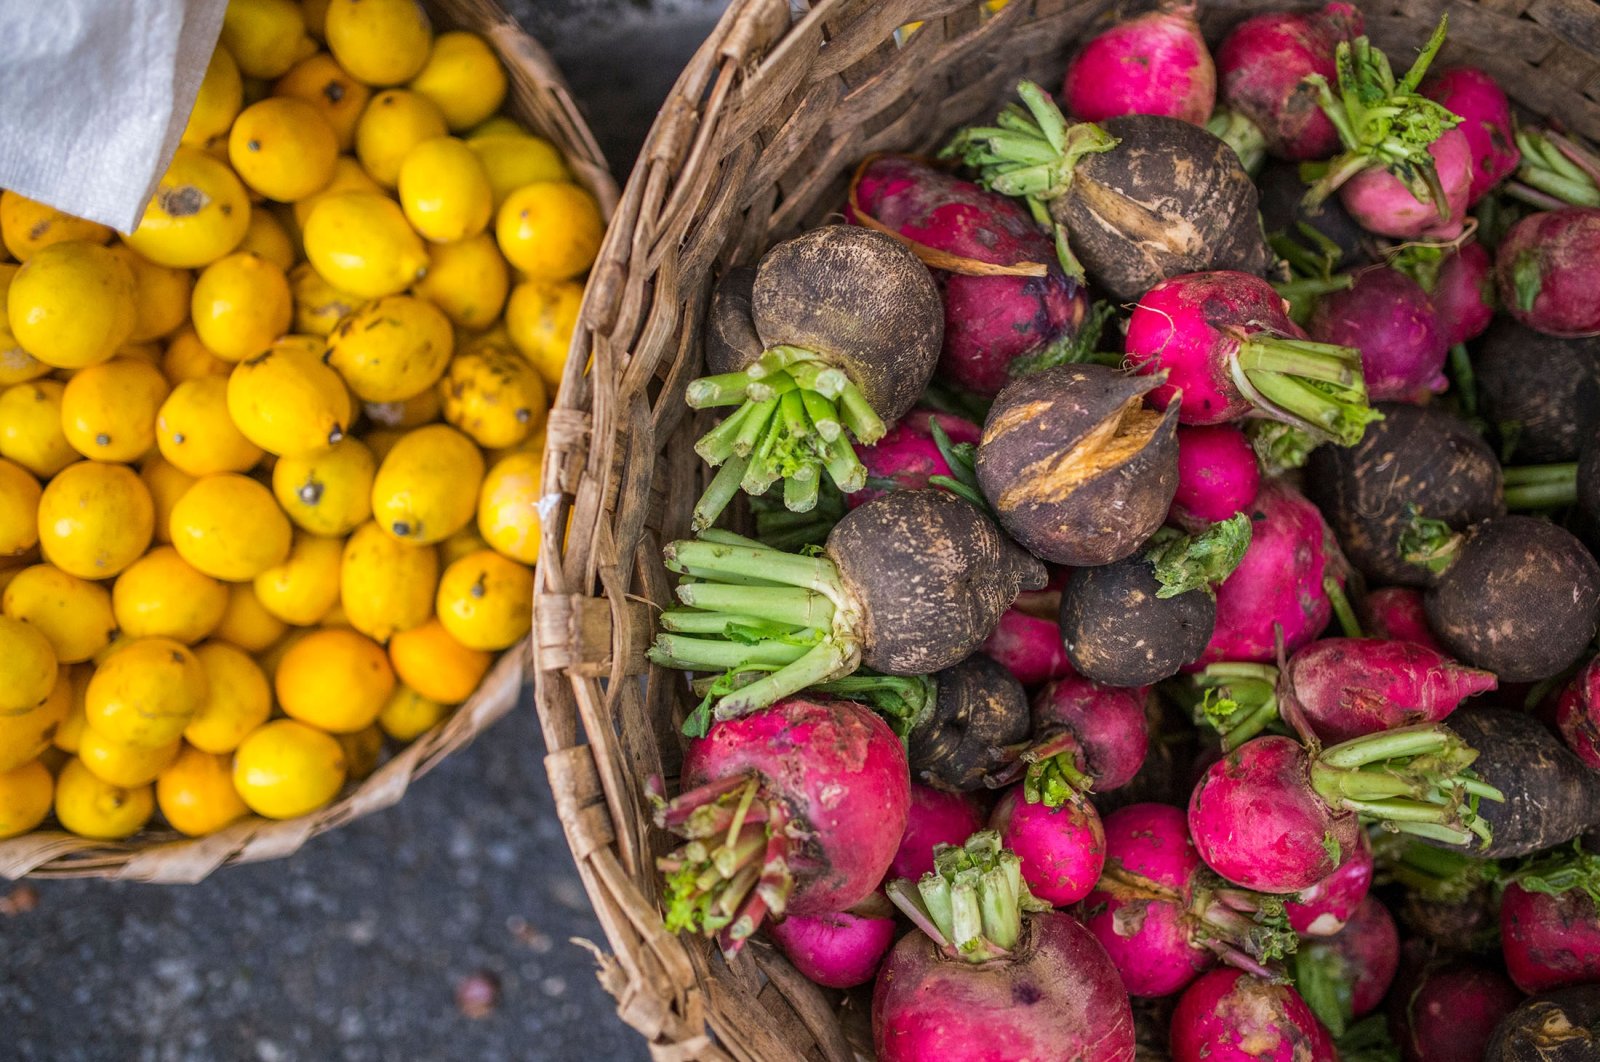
(838,950)
(1056,997)
(935,817)
(1347,687)
(1549,941)
(1578,714)
(1382,203)
(1154,64)
(1278,582)
(1368,949)
(1108,723)
(1485,115)
(842,774)
(908,455)
(1463,296)
(1261,71)
(1398,613)
(1230,1016)
(1448,1013)
(1218,474)
(1389,318)
(1062,848)
(1544,269)
(1324,909)
(990,321)
(1028,646)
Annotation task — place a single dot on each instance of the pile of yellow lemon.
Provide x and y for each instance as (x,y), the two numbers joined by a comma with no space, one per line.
(270,464)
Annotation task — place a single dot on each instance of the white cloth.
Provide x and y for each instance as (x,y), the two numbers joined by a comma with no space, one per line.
(94,95)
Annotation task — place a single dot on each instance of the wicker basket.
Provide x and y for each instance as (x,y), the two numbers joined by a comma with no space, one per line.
(757,141)
(539,97)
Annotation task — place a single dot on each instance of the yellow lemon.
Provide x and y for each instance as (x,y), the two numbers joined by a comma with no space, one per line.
(108,411)
(381,42)
(69,731)
(196,434)
(19,510)
(334,679)
(444,190)
(28,226)
(361,243)
(186,358)
(24,735)
(199,213)
(95,519)
(493,395)
(394,122)
(145,693)
(430,660)
(283,148)
(241,305)
(28,667)
(458,545)
(515,159)
(348,176)
(392,348)
(386,585)
(485,601)
(238,698)
(407,715)
(337,96)
(16,365)
(266,37)
(73,614)
(508,506)
(327,492)
(196,794)
(122,764)
(229,527)
(550,230)
(71,304)
(468,280)
(91,808)
(26,793)
(288,402)
(426,489)
(30,427)
(540,318)
(499,125)
(160,295)
(318,305)
(269,238)
(464,77)
(246,624)
(166,483)
(286,769)
(305,586)
(161,595)
(221,96)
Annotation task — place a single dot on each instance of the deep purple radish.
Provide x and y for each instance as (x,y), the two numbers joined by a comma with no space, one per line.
(1463,294)
(795,809)
(1550,921)
(1537,391)
(1578,714)
(1232,1016)
(1323,909)
(996,982)
(1027,640)
(971,731)
(1348,687)
(1103,731)
(1261,67)
(1156,63)
(839,950)
(1344,977)
(1228,349)
(963,232)
(1389,318)
(1545,271)
(1218,475)
(1398,613)
(1062,848)
(1485,114)
(936,817)
(1448,1010)
(907,454)
(1562,1025)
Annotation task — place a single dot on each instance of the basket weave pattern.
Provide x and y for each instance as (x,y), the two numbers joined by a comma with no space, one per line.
(757,141)
(538,97)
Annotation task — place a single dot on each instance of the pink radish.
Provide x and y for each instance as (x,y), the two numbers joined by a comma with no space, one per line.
(1156,63)
(1027,640)
(1550,921)
(1231,1016)
(907,455)
(1448,1010)
(1323,909)
(1390,205)
(838,950)
(1485,114)
(980,978)
(1344,977)
(936,817)
(1062,846)
(1398,613)
(1087,736)
(1218,475)
(1578,714)
(1463,293)
(1389,318)
(794,809)
(1262,66)
(1545,271)
(1228,349)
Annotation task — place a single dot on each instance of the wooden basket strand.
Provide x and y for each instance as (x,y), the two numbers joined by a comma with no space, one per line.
(540,98)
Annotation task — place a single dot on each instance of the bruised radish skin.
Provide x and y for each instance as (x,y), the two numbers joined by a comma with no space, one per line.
(1485,115)
(1231,1016)
(1119,632)
(1398,613)
(1381,203)
(1261,67)
(1347,687)
(936,817)
(839,950)
(972,735)
(1562,1025)
(1323,909)
(1029,646)
(990,321)
(1578,714)
(1218,474)
(1156,63)
(1354,968)
(1545,271)
(908,455)
(1389,318)
(1062,848)
(1463,295)
(1537,390)
(1108,724)
(1448,1011)
(1076,468)
(1549,941)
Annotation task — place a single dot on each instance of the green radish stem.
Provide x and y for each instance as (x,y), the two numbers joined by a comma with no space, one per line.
(1349,626)
(971,903)
(1442,875)
(1541,486)
(1555,172)
(1239,701)
(1241,134)
(1198,562)
(1431,544)
(1072,347)
(903,701)
(1279,447)
(1055,771)
(962,460)
(1556,872)
(1465,380)
(1317,387)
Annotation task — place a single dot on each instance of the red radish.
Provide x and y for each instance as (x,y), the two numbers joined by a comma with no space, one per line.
(1545,270)
(1088,736)
(1550,921)
(1062,847)
(1463,293)
(1344,977)
(1231,1016)
(1389,318)
(1029,645)
(1384,203)
(1323,909)
(907,455)
(1262,66)
(980,980)
(794,809)
(1448,1010)
(1578,714)
(1154,64)
(936,817)
(1228,349)
(1275,817)
(1218,475)
(1398,613)
(990,320)
(838,950)
(1485,114)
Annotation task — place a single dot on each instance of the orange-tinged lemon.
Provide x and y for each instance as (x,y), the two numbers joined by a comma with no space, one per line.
(241,305)
(26,793)
(195,432)
(229,527)
(19,510)
(28,667)
(160,295)
(508,506)
(108,411)
(337,96)
(540,318)
(27,225)
(270,238)
(283,148)
(196,794)
(238,698)
(186,358)
(430,660)
(246,624)
(550,230)
(166,483)
(305,586)
(146,692)
(334,679)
